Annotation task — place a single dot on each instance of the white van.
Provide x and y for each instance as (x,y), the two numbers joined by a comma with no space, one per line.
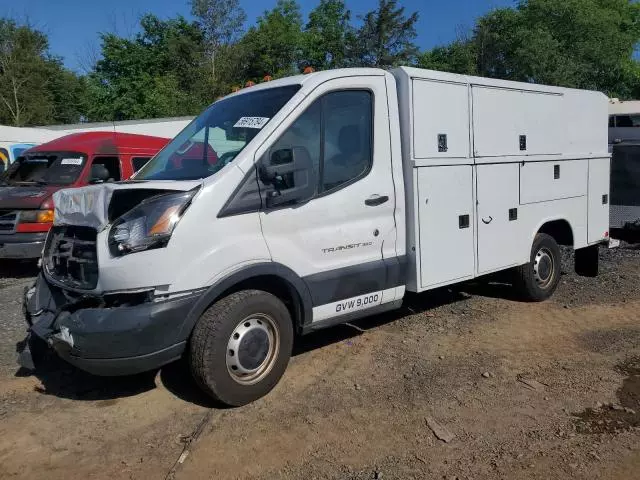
(331,195)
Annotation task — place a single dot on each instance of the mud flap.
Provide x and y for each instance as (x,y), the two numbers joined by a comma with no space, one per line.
(25,358)
(587,261)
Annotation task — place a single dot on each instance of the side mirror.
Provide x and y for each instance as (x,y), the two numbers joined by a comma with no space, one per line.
(99,174)
(291,174)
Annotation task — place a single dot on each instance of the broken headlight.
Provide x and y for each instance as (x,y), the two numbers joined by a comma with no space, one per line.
(149,225)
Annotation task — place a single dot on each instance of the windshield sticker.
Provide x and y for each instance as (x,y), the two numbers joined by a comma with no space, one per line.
(71,161)
(251,122)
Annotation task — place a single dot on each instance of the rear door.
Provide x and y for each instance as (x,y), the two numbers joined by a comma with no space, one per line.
(341,240)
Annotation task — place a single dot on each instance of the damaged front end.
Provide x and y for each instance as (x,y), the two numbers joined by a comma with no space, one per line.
(107,331)
(114,334)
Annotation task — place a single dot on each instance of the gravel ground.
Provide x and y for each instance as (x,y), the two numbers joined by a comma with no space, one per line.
(462,382)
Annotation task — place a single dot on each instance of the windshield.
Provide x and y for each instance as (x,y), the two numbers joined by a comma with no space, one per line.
(45,169)
(217,136)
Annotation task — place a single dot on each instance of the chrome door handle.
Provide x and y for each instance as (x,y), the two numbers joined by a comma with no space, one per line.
(375,200)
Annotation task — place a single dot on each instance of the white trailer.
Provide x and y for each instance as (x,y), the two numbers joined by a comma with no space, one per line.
(346,189)
(15,140)
(167,127)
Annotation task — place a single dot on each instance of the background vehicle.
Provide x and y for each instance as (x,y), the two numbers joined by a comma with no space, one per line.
(10,151)
(624,121)
(625,191)
(314,200)
(26,206)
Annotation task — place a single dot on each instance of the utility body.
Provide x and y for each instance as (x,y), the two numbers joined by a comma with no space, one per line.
(313,200)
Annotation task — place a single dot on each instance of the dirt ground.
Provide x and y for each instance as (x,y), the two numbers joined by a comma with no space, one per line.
(463,383)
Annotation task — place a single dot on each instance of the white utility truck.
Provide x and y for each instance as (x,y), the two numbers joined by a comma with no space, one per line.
(345,190)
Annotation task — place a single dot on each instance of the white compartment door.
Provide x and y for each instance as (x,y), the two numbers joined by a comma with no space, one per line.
(514,122)
(599,199)
(545,181)
(445,197)
(441,121)
(499,231)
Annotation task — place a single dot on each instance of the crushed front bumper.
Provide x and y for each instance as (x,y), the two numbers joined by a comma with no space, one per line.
(105,340)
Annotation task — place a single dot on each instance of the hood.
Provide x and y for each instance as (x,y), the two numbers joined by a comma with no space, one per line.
(89,206)
(24,197)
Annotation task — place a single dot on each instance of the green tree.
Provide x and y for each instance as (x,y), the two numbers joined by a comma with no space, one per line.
(386,36)
(274,45)
(329,36)
(221,21)
(458,57)
(572,43)
(35,88)
(153,75)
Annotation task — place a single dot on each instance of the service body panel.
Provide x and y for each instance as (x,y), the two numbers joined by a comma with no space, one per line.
(488,163)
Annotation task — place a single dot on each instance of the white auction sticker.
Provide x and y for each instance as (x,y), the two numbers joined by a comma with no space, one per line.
(71,161)
(251,122)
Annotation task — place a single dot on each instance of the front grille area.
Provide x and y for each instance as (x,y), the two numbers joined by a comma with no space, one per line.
(70,257)
(8,221)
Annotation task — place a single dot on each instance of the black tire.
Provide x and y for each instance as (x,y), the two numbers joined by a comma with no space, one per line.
(209,354)
(537,280)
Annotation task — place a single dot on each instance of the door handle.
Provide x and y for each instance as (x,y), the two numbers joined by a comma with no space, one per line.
(375,200)
(487,222)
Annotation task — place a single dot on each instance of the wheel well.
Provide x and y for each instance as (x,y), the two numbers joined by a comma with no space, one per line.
(277,286)
(560,230)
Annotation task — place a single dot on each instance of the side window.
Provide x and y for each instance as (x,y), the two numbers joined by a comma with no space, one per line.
(112,164)
(611,121)
(139,162)
(334,136)
(4,160)
(347,137)
(628,121)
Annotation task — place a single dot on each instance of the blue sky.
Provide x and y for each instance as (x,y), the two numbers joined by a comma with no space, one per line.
(73,25)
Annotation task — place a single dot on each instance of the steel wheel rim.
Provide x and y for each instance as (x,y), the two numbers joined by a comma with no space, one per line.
(252,349)
(543,267)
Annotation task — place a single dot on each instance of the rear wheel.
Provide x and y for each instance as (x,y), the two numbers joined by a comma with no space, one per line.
(241,346)
(538,279)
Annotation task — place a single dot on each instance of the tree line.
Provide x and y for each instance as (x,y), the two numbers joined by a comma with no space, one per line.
(177,66)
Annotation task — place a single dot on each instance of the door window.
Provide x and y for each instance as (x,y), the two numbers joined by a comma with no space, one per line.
(347,138)
(335,133)
(611,121)
(112,164)
(139,162)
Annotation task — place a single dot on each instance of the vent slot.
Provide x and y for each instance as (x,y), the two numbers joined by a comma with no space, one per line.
(8,221)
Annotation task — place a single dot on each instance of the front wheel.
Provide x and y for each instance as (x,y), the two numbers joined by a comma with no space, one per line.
(241,347)
(537,280)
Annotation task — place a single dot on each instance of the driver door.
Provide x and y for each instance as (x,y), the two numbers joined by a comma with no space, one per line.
(338,232)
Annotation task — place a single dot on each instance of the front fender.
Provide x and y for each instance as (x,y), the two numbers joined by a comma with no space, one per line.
(256,270)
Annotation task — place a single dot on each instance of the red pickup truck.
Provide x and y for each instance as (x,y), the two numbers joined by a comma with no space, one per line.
(76,160)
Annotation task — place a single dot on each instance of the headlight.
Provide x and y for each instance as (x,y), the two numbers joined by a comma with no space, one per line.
(148,225)
(36,216)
